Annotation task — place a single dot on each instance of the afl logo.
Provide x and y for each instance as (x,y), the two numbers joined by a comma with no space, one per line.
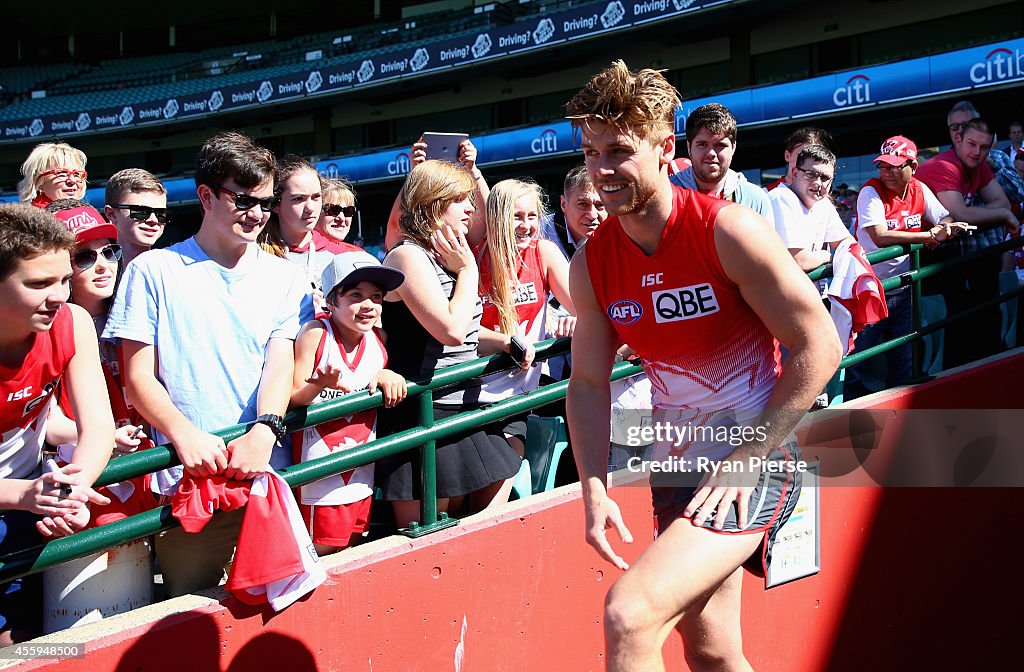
(625,311)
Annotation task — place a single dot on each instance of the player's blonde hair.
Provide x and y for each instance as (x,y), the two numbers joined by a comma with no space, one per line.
(502,252)
(642,102)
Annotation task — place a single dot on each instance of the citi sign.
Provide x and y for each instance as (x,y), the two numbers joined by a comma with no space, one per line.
(856,92)
(399,165)
(545,143)
(999,64)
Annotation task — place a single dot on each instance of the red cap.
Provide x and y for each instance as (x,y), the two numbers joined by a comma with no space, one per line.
(897,150)
(86,223)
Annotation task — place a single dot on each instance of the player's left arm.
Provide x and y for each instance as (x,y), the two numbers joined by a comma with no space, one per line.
(249,454)
(780,295)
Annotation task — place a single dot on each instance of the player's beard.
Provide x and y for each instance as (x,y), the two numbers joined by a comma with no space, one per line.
(641,192)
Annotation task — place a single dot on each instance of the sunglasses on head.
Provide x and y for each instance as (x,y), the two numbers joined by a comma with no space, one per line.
(245,201)
(333,210)
(65,174)
(142,213)
(85,259)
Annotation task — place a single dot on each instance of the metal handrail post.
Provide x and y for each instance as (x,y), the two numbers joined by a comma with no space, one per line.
(429,519)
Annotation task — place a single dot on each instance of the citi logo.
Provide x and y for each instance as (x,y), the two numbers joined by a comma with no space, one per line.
(625,311)
(330,170)
(399,165)
(545,143)
(856,92)
(999,64)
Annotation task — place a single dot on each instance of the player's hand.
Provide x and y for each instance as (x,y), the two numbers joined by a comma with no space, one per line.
(392,386)
(566,325)
(417,153)
(249,454)
(66,524)
(453,252)
(716,494)
(328,377)
(53,493)
(602,515)
(200,453)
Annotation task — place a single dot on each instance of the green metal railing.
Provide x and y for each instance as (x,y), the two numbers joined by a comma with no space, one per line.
(424,436)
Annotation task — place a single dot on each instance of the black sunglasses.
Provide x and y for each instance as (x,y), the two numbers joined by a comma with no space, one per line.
(245,201)
(142,213)
(85,259)
(333,210)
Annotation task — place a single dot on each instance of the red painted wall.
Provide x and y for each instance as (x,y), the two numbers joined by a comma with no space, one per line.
(913,578)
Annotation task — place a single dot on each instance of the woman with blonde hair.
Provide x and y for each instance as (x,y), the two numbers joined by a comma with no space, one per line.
(339,207)
(53,170)
(434,322)
(517,270)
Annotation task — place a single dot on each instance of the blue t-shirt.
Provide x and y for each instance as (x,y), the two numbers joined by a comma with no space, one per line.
(210,325)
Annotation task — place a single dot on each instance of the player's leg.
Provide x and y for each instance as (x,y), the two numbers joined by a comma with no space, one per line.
(675,574)
(712,639)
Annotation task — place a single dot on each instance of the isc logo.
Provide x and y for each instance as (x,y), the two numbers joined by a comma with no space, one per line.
(684,303)
(625,311)
(20,394)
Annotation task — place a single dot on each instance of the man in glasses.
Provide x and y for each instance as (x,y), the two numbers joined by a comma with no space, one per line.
(966,186)
(216,316)
(136,203)
(896,208)
(805,218)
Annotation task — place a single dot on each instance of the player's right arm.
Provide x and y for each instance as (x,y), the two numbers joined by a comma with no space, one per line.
(588,406)
(201,454)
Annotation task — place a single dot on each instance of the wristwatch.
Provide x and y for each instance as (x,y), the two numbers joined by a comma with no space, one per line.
(275,422)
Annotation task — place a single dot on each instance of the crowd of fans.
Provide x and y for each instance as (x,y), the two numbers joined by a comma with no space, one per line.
(268,307)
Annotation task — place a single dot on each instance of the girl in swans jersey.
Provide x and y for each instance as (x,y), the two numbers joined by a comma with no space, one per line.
(703,348)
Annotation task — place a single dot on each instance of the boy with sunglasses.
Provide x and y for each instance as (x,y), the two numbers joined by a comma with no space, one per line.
(136,203)
(216,317)
(43,342)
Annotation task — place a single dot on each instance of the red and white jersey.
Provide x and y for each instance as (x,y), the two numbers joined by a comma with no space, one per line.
(703,348)
(529,295)
(352,430)
(918,210)
(25,394)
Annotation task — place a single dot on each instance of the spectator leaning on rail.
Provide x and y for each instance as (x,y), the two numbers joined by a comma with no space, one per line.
(711,143)
(43,342)
(433,321)
(966,187)
(216,316)
(805,218)
(136,203)
(896,208)
(744,290)
(52,170)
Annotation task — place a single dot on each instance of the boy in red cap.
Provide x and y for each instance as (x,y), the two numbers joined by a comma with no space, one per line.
(43,342)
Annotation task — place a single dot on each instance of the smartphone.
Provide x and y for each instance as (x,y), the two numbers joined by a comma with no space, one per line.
(443,146)
(517,349)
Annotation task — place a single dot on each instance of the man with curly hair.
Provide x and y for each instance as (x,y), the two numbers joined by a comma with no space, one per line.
(701,289)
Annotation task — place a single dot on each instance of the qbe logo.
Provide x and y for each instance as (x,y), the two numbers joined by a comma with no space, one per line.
(482,45)
(366,71)
(625,311)
(613,13)
(684,303)
(399,165)
(83,122)
(265,91)
(545,29)
(856,92)
(545,143)
(314,82)
(998,65)
(216,100)
(170,108)
(419,60)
